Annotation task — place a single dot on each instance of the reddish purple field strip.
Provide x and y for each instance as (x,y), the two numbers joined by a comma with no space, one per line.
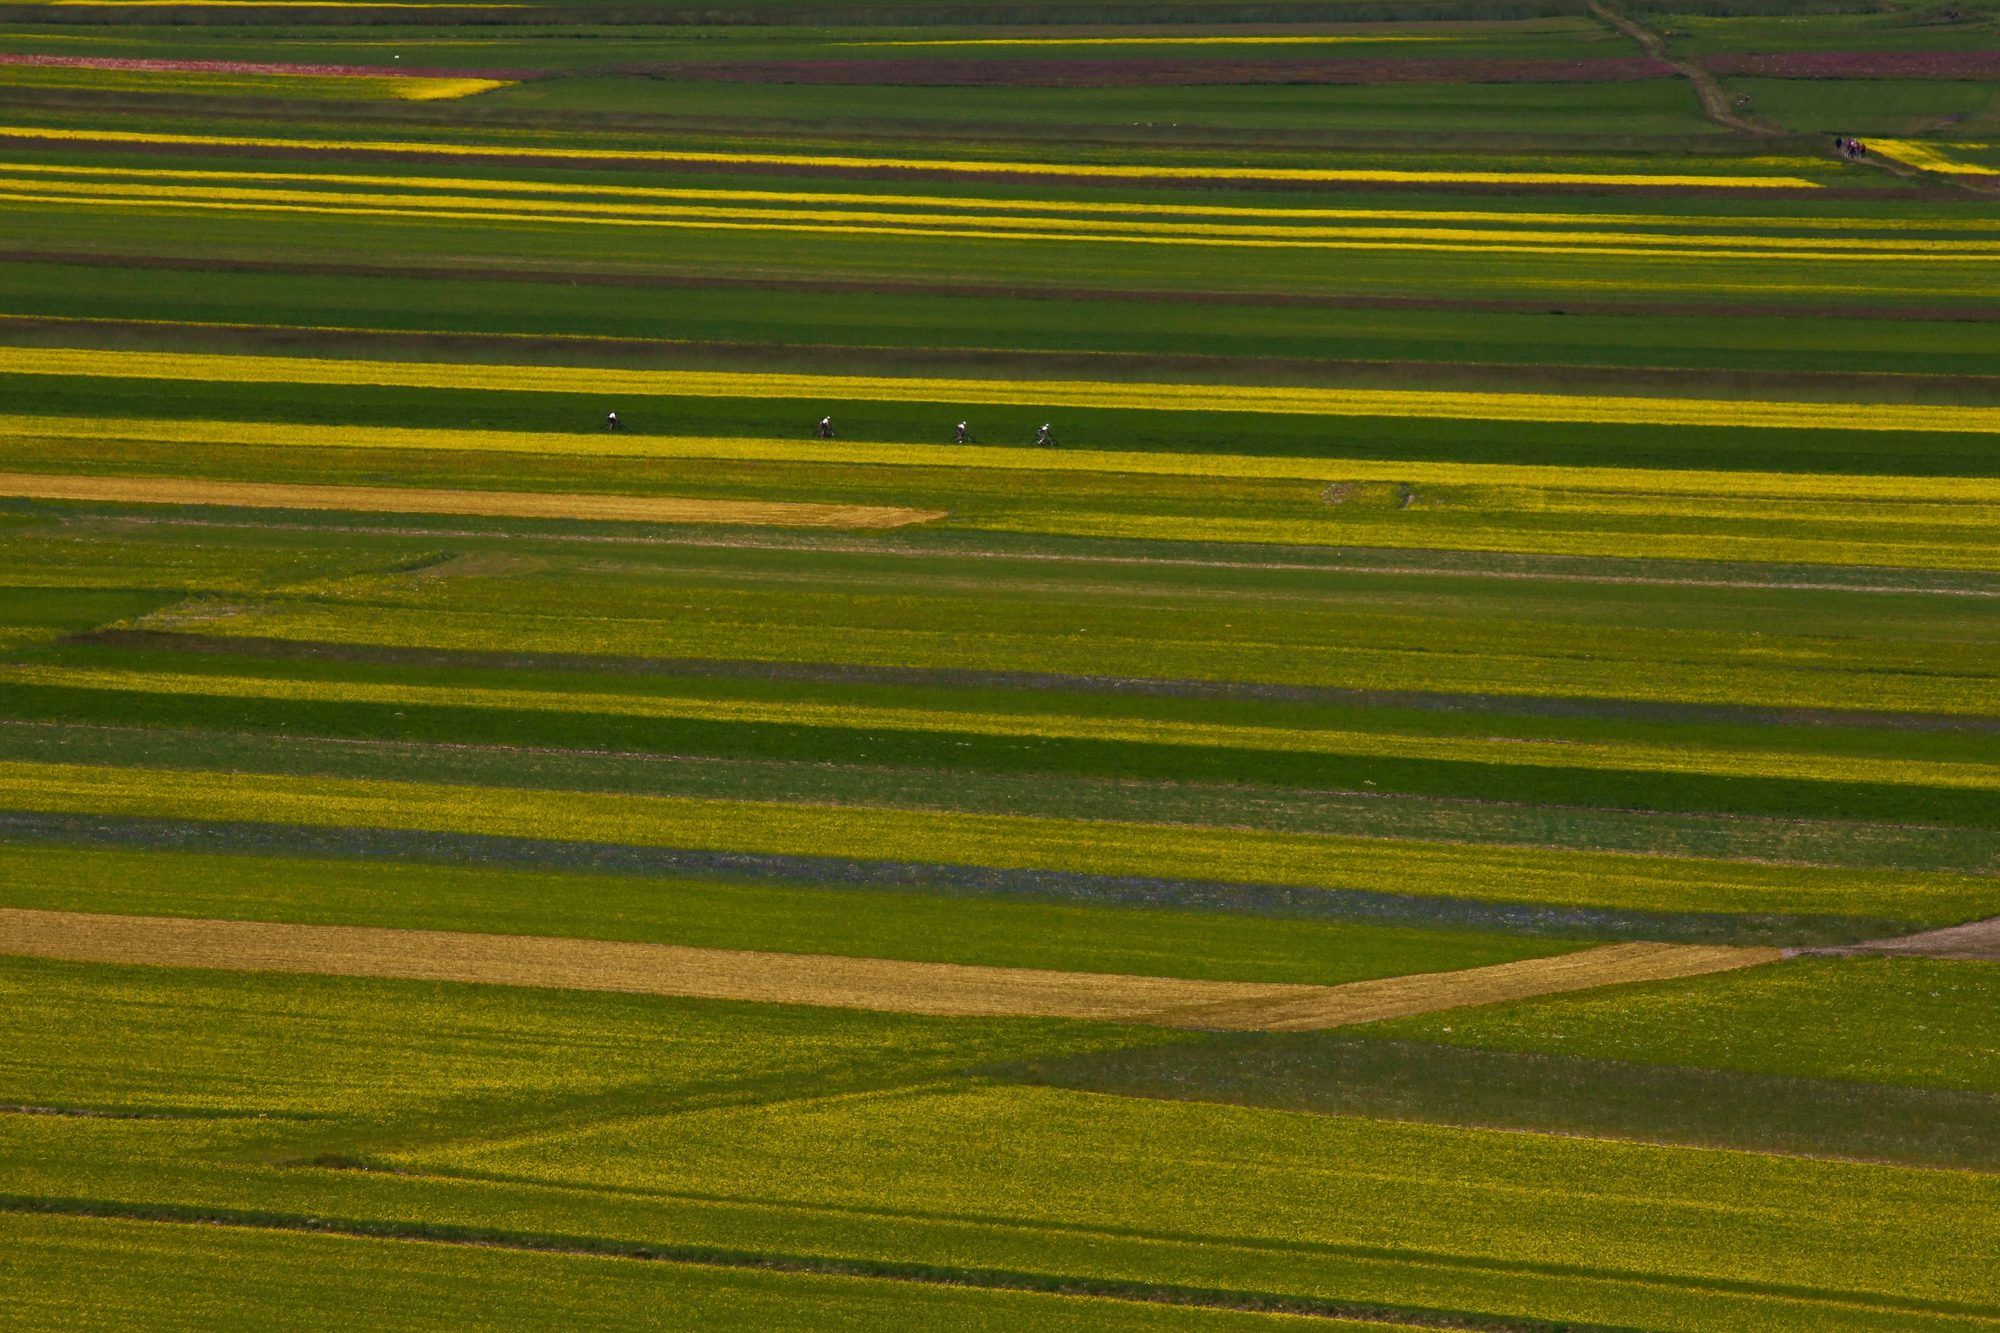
(242,67)
(1861,65)
(1046,73)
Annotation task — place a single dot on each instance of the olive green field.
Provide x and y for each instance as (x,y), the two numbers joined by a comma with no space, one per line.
(1331,495)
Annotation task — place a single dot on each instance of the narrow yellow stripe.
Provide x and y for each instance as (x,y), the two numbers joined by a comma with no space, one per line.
(970,233)
(1878,489)
(921,164)
(959,224)
(1521,218)
(1604,409)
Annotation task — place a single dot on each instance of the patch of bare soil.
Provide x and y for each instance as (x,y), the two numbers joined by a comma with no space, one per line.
(490,504)
(1976,940)
(890,985)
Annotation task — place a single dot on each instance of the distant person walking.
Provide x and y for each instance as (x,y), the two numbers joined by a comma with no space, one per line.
(964,435)
(1046,436)
(826,428)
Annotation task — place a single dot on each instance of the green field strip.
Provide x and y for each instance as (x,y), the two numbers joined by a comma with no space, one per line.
(162,550)
(1550,1093)
(1911,1021)
(712,625)
(1485,874)
(854,923)
(310,1051)
(1007,258)
(1154,893)
(1892,539)
(517,306)
(1944,500)
(110,1273)
(188,651)
(1382,440)
(1628,757)
(1666,667)
(799,779)
(1595,409)
(1349,1198)
(1405,1216)
(796,780)
(531,749)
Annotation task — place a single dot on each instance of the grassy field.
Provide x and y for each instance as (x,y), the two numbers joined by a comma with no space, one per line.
(1321,494)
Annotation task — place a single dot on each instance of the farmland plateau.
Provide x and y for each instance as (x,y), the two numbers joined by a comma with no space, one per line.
(1113,666)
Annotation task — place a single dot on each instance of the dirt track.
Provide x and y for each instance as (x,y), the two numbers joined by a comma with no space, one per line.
(836,982)
(1975,940)
(489,504)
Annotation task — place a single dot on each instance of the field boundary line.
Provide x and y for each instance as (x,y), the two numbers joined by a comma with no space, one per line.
(489,504)
(1054,1284)
(832,981)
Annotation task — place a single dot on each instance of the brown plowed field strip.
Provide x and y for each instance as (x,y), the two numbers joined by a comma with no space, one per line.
(489,504)
(844,983)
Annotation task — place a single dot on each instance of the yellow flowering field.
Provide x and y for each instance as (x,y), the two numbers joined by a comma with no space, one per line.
(1002,225)
(1598,408)
(1661,225)
(1651,482)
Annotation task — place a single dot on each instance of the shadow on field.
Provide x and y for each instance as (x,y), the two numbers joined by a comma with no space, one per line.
(1327,1073)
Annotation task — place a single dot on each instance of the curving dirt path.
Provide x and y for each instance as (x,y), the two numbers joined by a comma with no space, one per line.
(1714,101)
(488,504)
(891,985)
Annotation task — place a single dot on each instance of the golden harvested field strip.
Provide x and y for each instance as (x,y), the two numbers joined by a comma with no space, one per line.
(337,86)
(1634,757)
(828,980)
(1603,409)
(957,167)
(973,226)
(491,504)
(1671,225)
(1624,482)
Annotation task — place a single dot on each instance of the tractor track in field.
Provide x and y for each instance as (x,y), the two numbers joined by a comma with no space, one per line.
(1056,1284)
(831,981)
(1977,941)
